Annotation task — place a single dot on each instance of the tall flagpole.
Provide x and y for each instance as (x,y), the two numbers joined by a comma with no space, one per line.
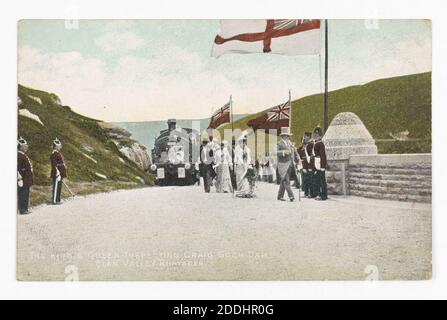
(290,113)
(326,95)
(231,111)
(233,141)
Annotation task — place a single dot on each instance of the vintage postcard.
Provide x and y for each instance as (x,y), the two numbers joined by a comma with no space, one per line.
(269,149)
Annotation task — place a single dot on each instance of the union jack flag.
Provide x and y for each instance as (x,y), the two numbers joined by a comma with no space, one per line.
(221,116)
(279,112)
(286,23)
(273,118)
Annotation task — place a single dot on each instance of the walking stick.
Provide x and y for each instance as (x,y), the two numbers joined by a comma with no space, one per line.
(69,190)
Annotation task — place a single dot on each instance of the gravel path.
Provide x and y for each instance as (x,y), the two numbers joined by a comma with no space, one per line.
(181,233)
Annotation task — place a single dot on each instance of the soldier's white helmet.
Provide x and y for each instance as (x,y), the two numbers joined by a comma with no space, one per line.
(57,143)
(21,142)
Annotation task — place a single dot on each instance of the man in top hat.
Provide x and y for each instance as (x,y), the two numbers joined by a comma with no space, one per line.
(286,154)
(58,171)
(24,176)
(319,154)
(305,173)
(206,164)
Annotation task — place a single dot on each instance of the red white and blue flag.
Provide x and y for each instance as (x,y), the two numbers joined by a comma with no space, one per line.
(274,118)
(281,36)
(279,112)
(221,116)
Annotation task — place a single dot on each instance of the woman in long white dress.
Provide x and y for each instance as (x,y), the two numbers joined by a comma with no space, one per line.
(223,163)
(244,169)
(272,164)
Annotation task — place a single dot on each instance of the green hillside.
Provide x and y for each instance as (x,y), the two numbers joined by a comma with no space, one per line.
(396,111)
(93,160)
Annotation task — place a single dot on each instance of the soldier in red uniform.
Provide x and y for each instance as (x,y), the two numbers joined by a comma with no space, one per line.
(24,176)
(305,173)
(320,161)
(312,181)
(58,171)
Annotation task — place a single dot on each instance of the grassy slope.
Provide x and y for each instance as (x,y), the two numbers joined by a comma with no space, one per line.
(385,106)
(75,131)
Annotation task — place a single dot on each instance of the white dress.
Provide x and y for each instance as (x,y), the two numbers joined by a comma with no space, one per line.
(223,163)
(242,158)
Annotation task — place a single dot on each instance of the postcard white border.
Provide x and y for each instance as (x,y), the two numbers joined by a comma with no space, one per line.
(46,9)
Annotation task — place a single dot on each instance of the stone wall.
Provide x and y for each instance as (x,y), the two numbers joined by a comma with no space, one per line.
(355,168)
(337,169)
(347,135)
(403,177)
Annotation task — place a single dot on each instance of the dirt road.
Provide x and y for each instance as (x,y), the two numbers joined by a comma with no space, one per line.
(181,233)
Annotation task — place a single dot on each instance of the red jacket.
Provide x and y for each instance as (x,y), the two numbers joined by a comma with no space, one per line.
(25,168)
(57,162)
(309,149)
(302,155)
(320,152)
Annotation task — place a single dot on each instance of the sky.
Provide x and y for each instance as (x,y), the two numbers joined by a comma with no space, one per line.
(144,70)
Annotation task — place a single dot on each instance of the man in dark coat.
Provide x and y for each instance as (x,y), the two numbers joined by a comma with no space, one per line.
(319,153)
(206,164)
(24,176)
(58,171)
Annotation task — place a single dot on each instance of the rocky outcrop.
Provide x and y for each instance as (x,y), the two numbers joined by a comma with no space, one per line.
(127,146)
(136,153)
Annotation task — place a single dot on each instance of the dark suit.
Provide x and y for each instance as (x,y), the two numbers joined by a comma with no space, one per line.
(206,166)
(25,170)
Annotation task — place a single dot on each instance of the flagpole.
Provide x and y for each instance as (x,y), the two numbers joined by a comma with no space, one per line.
(231,111)
(326,95)
(290,113)
(233,144)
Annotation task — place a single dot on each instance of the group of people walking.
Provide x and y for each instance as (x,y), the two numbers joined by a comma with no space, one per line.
(25,174)
(238,172)
(229,173)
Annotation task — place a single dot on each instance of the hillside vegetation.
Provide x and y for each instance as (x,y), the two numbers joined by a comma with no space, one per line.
(396,111)
(93,160)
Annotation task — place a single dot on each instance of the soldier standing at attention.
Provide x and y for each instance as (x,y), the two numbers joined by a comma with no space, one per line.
(24,176)
(319,153)
(58,171)
(305,164)
(312,178)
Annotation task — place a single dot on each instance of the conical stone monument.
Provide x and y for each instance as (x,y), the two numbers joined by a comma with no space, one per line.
(346,136)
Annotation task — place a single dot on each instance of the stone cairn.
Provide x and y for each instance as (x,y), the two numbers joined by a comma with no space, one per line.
(346,136)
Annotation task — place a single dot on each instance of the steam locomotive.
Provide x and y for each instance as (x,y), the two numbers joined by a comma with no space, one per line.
(175,156)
